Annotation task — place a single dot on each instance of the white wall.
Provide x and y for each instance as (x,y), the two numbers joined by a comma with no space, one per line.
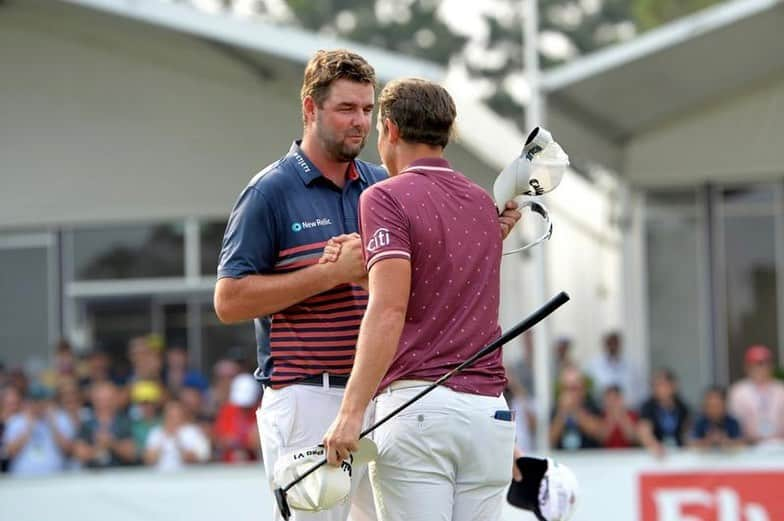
(106,119)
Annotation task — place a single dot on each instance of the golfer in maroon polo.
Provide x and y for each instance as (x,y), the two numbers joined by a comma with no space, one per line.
(432,246)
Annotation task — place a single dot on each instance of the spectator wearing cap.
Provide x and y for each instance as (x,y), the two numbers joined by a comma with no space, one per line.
(758,400)
(63,366)
(715,428)
(105,439)
(146,397)
(664,417)
(236,434)
(619,424)
(38,440)
(177,442)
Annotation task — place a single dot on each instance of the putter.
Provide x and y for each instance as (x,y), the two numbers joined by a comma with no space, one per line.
(537,316)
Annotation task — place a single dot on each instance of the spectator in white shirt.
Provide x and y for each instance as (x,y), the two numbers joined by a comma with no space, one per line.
(610,369)
(39,439)
(176,443)
(758,400)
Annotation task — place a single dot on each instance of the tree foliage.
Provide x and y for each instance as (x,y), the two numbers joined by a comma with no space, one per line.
(567,28)
(414,27)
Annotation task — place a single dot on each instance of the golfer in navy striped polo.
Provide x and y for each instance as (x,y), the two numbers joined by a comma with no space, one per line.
(306,314)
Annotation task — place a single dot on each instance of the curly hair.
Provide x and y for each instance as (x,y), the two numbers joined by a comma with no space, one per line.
(326,67)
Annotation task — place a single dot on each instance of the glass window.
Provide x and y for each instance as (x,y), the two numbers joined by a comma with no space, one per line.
(674,284)
(113,322)
(124,252)
(24,308)
(211,235)
(750,257)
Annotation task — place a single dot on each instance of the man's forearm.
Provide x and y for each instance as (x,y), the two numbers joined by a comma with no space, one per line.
(376,347)
(260,295)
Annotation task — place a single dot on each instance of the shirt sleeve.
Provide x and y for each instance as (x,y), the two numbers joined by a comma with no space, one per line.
(249,243)
(383,226)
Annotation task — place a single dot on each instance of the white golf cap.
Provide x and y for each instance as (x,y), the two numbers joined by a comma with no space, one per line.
(244,391)
(558,492)
(536,171)
(325,487)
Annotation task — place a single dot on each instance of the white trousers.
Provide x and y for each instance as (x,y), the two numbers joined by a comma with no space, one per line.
(296,417)
(445,458)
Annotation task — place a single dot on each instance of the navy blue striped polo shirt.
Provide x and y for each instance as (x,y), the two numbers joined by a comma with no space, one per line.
(280,224)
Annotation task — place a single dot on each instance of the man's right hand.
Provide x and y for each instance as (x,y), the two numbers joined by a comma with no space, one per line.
(344,252)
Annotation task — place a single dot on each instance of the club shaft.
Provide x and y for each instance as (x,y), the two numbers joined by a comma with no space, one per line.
(536,317)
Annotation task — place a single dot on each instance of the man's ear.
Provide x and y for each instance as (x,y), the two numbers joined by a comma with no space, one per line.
(391,130)
(308,108)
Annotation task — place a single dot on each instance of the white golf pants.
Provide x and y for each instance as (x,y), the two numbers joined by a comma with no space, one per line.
(447,457)
(297,417)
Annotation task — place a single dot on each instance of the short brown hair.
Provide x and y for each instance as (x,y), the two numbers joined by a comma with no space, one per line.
(326,67)
(423,111)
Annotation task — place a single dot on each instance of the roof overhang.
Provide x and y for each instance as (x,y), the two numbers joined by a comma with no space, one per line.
(618,95)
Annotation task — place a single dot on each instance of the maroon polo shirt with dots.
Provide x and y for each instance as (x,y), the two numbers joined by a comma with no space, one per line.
(447,226)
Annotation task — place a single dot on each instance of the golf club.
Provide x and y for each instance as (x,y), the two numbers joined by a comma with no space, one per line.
(533,319)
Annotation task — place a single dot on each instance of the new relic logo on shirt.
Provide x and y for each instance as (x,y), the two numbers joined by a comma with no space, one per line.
(298,226)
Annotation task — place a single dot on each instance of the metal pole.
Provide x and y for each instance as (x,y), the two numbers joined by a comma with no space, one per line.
(534,116)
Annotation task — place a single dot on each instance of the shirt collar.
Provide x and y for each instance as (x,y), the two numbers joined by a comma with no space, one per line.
(308,172)
(433,162)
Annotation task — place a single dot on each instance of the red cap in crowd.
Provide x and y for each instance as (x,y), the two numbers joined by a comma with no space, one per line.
(758,354)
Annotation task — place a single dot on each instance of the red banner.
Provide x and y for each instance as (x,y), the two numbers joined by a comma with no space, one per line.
(712,496)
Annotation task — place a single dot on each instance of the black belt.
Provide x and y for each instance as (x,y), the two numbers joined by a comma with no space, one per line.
(335,380)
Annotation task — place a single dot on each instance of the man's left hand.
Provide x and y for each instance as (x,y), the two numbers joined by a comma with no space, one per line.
(508,218)
(342,437)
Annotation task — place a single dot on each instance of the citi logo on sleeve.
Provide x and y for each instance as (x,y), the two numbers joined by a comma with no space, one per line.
(298,226)
(712,496)
(379,239)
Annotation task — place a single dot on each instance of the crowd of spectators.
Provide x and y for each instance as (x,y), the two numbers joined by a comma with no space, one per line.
(82,413)
(602,405)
